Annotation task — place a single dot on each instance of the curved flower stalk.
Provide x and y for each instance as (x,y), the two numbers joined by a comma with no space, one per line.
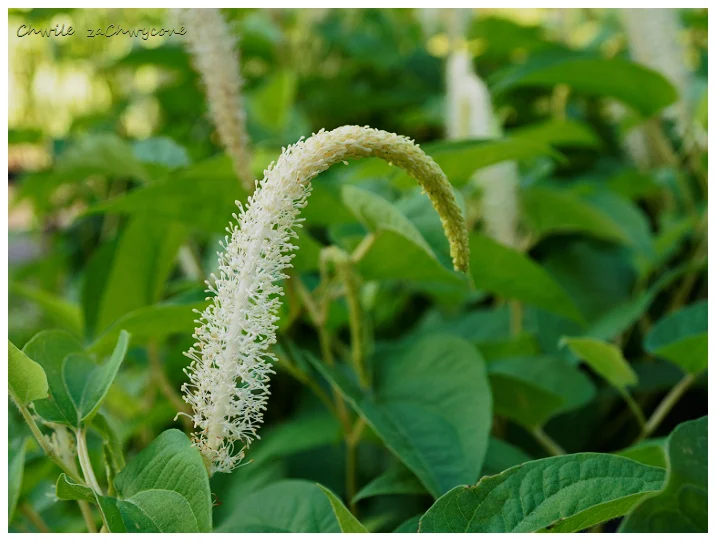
(231,361)
(470,114)
(213,49)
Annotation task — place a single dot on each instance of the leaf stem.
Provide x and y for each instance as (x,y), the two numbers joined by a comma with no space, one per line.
(516,316)
(665,406)
(551,446)
(87,515)
(85,463)
(635,408)
(34,517)
(356,315)
(352,441)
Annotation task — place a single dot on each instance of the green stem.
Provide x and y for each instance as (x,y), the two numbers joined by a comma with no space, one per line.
(34,517)
(87,515)
(352,441)
(356,316)
(665,406)
(42,441)
(85,463)
(516,316)
(363,247)
(551,446)
(635,408)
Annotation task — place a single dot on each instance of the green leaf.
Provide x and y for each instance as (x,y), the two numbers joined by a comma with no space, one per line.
(62,312)
(98,379)
(409,526)
(347,522)
(396,480)
(378,214)
(200,196)
(605,359)
(26,379)
(153,322)
(414,263)
(77,384)
(682,338)
(624,315)
(301,433)
(288,506)
(110,439)
(16,467)
(161,151)
(523,401)
(271,104)
(531,390)
(558,133)
(508,273)
(460,159)
(682,505)
(158,511)
(66,489)
(100,154)
(134,272)
(564,493)
(171,470)
(50,349)
(502,455)
(650,452)
(548,210)
(431,406)
(614,77)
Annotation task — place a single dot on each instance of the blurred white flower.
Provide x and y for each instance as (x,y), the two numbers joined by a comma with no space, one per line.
(653,36)
(215,56)
(470,115)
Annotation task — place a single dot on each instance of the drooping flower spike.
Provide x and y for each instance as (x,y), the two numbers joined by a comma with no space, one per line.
(215,57)
(231,361)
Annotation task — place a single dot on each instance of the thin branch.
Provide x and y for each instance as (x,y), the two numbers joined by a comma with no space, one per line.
(665,406)
(551,446)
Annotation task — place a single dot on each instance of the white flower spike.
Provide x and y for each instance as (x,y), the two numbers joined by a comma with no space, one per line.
(231,361)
